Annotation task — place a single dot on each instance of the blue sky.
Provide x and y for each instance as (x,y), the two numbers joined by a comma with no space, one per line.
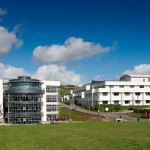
(104,39)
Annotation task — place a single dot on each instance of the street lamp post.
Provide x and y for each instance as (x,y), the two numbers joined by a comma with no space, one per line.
(8,110)
(138,117)
(99,109)
(87,105)
(98,103)
(70,120)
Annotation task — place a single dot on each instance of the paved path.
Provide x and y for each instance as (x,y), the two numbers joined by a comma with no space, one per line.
(111,116)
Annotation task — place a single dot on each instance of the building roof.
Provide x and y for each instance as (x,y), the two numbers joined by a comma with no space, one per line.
(136,76)
(24,79)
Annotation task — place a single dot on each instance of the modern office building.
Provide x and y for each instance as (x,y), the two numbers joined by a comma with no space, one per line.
(129,90)
(24,100)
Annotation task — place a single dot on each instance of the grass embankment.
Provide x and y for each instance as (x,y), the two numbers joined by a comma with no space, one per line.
(76,136)
(75,116)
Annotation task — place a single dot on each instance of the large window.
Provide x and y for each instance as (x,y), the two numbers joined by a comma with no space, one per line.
(147,93)
(105,94)
(105,102)
(147,101)
(137,101)
(50,108)
(121,86)
(51,117)
(137,93)
(126,93)
(116,94)
(51,89)
(127,102)
(141,86)
(51,98)
(116,102)
(131,86)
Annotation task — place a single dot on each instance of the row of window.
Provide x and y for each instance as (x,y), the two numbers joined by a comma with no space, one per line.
(126,94)
(79,91)
(24,109)
(22,97)
(122,86)
(51,117)
(127,102)
(51,98)
(51,89)
(25,86)
(50,108)
(76,97)
(24,120)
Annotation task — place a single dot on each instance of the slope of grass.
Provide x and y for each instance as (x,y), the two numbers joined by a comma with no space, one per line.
(75,116)
(76,136)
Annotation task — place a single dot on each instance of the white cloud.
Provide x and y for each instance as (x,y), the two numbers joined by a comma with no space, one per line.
(3,12)
(142,69)
(7,71)
(46,72)
(60,73)
(18,30)
(73,49)
(7,41)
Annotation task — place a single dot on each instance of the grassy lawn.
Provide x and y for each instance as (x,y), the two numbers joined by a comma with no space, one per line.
(77,136)
(75,116)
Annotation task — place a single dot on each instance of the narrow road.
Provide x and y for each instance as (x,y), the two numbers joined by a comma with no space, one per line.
(111,116)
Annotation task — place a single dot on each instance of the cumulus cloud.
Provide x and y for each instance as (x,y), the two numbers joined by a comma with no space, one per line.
(7,41)
(7,71)
(18,30)
(3,12)
(142,69)
(73,49)
(46,72)
(60,73)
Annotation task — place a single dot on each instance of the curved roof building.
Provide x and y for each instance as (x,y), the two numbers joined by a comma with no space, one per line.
(22,101)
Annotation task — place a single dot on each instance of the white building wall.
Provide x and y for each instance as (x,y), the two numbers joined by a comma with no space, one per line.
(44,103)
(131,90)
(88,86)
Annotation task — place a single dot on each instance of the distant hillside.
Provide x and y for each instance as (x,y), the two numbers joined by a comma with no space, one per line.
(64,88)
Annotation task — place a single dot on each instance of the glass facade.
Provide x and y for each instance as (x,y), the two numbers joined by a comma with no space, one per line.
(25,86)
(22,101)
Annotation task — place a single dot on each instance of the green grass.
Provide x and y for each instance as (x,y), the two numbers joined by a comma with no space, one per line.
(75,116)
(77,136)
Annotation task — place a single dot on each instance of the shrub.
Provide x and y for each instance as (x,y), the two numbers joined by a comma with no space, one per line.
(141,110)
(111,107)
(67,102)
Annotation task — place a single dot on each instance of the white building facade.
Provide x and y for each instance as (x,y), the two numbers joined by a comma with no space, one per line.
(129,90)
(68,96)
(50,100)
